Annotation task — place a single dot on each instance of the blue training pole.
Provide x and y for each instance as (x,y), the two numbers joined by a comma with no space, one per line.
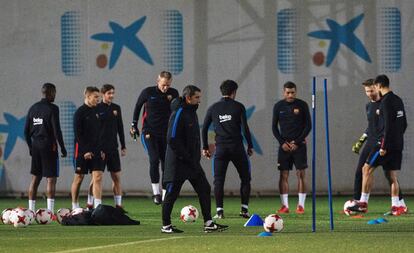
(328,154)
(313,155)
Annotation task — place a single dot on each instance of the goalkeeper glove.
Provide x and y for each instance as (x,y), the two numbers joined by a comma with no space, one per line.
(134,132)
(357,146)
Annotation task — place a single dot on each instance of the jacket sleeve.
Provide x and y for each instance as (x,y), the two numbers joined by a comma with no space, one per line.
(79,132)
(57,131)
(307,124)
(206,126)
(27,129)
(245,128)
(121,129)
(275,123)
(142,99)
(388,115)
(176,136)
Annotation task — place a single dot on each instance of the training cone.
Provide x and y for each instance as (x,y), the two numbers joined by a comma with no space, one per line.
(373,222)
(262,234)
(254,221)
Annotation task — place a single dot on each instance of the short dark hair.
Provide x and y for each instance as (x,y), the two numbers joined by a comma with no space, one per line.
(382,80)
(90,89)
(107,87)
(227,87)
(47,88)
(289,85)
(190,90)
(165,74)
(368,82)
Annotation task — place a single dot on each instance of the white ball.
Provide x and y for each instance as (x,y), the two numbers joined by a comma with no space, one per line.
(189,214)
(273,223)
(43,216)
(5,216)
(31,216)
(348,204)
(20,218)
(62,213)
(77,211)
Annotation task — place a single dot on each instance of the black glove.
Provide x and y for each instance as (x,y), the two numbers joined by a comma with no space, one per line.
(134,132)
(64,152)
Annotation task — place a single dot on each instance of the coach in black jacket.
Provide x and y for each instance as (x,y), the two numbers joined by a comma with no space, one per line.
(182,160)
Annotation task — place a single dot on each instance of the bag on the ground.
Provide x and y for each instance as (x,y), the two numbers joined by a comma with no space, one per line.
(83,218)
(109,215)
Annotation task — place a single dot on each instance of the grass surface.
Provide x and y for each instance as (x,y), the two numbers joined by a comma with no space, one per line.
(349,235)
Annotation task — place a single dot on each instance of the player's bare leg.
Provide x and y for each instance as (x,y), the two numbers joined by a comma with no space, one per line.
(34,184)
(97,187)
(116,188)
(51,190)
(395,194)
(301,191)
(284,190)
(89,203)
(76,184)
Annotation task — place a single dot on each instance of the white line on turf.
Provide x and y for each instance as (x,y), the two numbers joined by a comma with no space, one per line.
(118,244)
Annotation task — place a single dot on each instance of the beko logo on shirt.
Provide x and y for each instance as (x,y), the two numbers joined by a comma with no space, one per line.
(37,121)
(400,114)
(224,118)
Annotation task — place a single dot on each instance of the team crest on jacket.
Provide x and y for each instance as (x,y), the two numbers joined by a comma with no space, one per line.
(115,112)
(296,110)
(377,111)
(169,97)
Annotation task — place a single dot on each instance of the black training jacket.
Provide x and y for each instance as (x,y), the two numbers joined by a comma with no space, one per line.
(112,126)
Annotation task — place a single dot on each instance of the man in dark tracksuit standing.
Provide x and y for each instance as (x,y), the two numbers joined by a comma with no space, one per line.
(183,160)
(42,132)
(112,127)
(371,136)
(157,100)
(229,119)
(293,117)
(88,152)
(389,153)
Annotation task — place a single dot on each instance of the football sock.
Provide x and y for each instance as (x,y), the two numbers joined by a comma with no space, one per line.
(302,198)
(75,205)
(51,205)
(245,206)
(395,201)
(118,200)
(32,205)
(208,223)
(219,209)
(155,189)
(402,203)
(97,202)
(163,194)
(364,197)
(284,200)
(90,200)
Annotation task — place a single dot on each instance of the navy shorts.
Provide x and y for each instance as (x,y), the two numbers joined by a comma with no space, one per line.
(391,161)
(299,158)
(45,162)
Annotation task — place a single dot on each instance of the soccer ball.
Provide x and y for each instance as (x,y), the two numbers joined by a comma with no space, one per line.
(348,204)
(20,218)
(76,211)
(43,216)
(5,216)
(189,214)
(273,223)
(13,214)
(62,213)
(31,216)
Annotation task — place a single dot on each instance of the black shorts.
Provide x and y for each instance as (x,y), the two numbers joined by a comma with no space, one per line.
(112,161)
(84,166)
(391,161)
(299,158)
(45,163)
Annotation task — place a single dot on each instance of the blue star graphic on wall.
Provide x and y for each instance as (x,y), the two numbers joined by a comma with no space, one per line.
(125,37)
(14,129)
(256,146)
(342,34)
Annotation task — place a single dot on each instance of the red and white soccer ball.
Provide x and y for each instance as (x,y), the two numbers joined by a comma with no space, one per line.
(77,211)
(19,218)
(189,214)
(5,216)
(348,204)
(43,216)
(62,213)
(31,216)
(273,223)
